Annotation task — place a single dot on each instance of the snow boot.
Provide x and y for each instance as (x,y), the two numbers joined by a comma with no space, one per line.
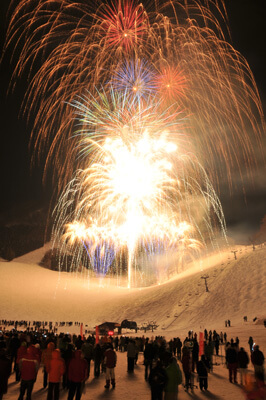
(107,384)
(113,383)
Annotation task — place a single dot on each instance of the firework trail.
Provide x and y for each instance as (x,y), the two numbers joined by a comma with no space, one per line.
(137,108)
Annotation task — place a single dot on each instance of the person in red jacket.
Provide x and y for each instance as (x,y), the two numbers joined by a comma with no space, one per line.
(55,368)
(22,350)
(110,359)
(77,374)
(28,366)
(46,357)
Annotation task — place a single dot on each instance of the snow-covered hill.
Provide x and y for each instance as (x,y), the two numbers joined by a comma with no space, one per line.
(236,288)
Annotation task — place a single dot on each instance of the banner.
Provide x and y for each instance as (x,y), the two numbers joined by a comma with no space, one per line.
(201,343)
(81,331)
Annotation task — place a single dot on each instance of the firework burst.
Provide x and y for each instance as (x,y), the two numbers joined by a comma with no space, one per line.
(123,23)
(171,84)
(136,109)
(146,191)
(136,78)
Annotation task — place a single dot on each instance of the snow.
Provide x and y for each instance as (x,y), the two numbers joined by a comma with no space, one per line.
(237,288)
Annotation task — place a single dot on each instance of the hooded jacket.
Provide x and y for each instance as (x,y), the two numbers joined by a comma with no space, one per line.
(29,365)
(78,368)
(47,354)
(55,367)
(21,352)
(110,358)
(174,377)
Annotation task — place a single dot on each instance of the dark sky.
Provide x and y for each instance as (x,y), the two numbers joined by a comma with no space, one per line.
(18,184)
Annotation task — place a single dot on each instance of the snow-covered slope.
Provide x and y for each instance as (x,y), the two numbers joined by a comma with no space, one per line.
(236,288)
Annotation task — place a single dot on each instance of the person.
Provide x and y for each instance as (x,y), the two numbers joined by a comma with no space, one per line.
(110,360)
(46,357)
(131,354)
(13,349)
(97,357)
(257,359)
(5,370)
(195,354)
(250,343)
(20,354)
(208,352)
(38,352)
(186,364)
(116,343)
(78,342)
(174,379)
(203,367)
(231,359)
(77,375)
(148,357)
(67,355)
(157,380)
(217,345)
(178,348)
(242,360)
(55,369)
(87,351)
(28,366)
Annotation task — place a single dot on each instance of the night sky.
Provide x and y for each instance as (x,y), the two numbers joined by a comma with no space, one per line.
(19,182)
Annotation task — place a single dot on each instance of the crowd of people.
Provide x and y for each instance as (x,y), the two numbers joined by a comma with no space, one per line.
(66,361)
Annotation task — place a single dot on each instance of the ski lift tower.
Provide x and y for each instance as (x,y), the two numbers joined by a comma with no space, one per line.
(205,277)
